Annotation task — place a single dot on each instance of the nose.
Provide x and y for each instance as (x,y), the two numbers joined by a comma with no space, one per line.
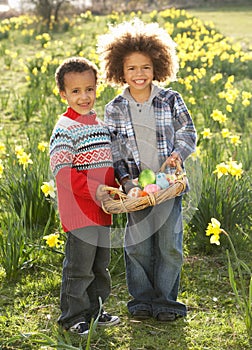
(139,71)
(84,95)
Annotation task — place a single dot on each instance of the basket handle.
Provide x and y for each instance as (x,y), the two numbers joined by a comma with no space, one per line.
(178,168)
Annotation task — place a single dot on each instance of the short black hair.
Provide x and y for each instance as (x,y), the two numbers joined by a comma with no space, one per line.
(73,64)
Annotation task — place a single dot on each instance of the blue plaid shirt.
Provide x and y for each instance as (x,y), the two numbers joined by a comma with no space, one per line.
(175,131)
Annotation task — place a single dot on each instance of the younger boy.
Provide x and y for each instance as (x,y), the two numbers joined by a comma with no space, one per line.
(81,160)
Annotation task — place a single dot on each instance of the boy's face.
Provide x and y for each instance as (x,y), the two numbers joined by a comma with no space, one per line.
(80,91)
(138,72)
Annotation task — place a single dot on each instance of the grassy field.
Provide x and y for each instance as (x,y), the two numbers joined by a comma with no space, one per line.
(233,21)
(29,303)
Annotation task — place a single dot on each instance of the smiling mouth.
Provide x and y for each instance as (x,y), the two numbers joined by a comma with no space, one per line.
(84,105)
(139,81)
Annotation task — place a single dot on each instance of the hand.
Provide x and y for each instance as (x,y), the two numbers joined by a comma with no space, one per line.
(101,193)
(128,185)
(173,159)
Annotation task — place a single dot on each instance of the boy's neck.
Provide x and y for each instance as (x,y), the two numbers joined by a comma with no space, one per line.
(140,96)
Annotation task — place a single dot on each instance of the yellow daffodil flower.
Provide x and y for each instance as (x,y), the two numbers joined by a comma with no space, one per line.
(218,116)
(235,139)
(19,150)
(235,169)
(48,188)
(53,240)
(206,133)
(25,159)
(1,168)
(225,133)
(214,230)
(245,102)
(2,148)
(42,146)
(221,169)
(216,77)
(195,155)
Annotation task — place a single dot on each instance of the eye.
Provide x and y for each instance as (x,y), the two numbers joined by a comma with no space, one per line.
(90,89)
(75,91)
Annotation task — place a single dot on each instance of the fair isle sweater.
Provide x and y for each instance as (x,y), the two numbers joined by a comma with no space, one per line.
(81,160)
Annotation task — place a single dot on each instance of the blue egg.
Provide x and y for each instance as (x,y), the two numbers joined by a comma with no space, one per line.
(162,181)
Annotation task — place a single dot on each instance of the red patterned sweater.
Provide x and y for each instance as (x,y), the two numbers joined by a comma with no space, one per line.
(80,159)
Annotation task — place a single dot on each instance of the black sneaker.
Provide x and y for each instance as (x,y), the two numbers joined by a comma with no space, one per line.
(166,316)
(108,320)
(141,314)
(81,328)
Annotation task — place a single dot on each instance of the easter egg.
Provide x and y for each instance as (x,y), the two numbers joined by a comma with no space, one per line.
(171,178)
(134,192)
(162,181)
(146,177)
(151,188)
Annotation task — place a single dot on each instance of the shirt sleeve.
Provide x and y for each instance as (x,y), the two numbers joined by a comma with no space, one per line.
(185,132)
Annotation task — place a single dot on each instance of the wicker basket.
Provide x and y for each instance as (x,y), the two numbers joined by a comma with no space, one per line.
(125,204)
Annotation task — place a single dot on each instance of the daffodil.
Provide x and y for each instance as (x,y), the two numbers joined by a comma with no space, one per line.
(245,102)
(195,155)
(221,169)
(218,116)
(235,139)
(19,150)
(206,133)
(229,108)
(216,77)
(2,148)
(214,230)
(25,159)
(42,146)
(1,168)
(53,240)
(49,189)
(235,169)
(225,133)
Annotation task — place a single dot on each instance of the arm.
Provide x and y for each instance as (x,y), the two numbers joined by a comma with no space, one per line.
(119,140)
(185,132)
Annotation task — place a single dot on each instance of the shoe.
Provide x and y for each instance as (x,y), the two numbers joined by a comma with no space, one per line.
(81,328)
(141,314)
(107,320)
(166,316)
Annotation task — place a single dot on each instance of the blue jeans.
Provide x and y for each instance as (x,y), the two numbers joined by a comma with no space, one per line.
(85,274)
(154,257)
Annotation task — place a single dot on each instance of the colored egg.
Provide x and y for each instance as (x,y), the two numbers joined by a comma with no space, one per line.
(162,181)
(151,188)
(171,178)
(147,176)
(134,192)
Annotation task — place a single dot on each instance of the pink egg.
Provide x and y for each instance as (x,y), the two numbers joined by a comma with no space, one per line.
(152,188)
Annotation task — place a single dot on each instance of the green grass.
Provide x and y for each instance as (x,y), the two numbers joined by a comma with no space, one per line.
(232,21)
(31,305)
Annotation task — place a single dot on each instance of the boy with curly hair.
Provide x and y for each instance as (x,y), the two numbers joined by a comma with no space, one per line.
(149,125)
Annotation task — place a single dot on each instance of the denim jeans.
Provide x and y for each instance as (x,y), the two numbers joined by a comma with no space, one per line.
(85,274)
(154,257)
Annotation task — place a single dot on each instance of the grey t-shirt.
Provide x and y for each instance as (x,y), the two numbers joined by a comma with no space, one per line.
(144,124)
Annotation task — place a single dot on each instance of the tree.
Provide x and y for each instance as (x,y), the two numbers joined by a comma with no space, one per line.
(48,8)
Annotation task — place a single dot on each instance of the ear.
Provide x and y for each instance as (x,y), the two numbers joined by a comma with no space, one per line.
(62,95)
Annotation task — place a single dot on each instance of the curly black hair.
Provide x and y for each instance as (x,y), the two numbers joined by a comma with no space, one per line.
(73,64)
(135,36)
